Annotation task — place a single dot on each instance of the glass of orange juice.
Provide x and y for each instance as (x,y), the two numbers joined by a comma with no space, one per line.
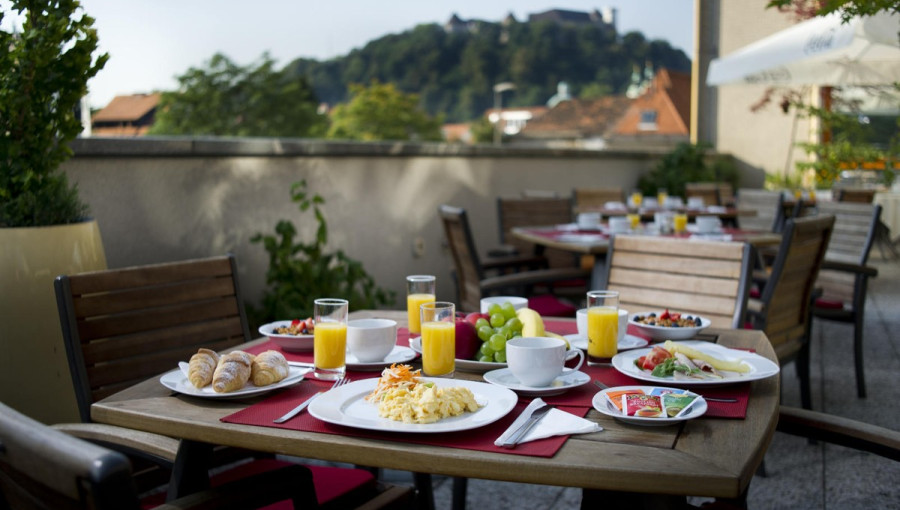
(603,326)
(661,195)
(634,220)
(330,338)
(679,222)
(636,198)
(419,290)
(438,338)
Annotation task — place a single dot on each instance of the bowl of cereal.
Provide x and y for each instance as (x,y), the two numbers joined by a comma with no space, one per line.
(292,336)
(666,325)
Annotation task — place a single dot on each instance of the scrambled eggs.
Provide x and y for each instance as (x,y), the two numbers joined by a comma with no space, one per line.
(425,403)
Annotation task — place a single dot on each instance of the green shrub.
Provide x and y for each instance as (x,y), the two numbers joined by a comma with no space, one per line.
(687,163)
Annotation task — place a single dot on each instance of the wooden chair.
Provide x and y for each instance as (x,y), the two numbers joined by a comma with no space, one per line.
(708,191)
(524,212)
(44,468)
(784,309)
(844,276)
(707,278)
(476,279)
(593,199)
(768,206)
(840,431)
(123,326)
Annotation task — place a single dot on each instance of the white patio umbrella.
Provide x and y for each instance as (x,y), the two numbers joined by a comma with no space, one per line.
(820,51)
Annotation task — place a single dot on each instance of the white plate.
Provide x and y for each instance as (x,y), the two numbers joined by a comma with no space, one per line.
(601,404)
(628,342)
(581,238)
(760,367)
(694,229)
(564,382)
(346,405)
(398,354)
(664,333)
(176,380)
(468,365)
(290,343)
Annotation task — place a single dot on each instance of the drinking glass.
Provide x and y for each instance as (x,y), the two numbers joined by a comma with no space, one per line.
(679,222)
(438,338)
(419,290)
(636,198)
(634,220)
(661,195)
(330,338)
(603,326)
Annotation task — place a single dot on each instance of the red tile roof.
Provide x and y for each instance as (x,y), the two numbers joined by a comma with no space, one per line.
(670,97)
(577,118)
(127,108)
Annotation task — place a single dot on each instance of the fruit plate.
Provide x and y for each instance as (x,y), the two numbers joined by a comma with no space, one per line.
(468,365)
(290,343)
(666,333)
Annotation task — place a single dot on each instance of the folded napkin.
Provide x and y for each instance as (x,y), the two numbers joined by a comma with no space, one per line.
(710,237)
(554,423)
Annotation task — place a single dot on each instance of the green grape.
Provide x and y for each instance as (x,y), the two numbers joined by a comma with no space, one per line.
(494,308)
(517,334)
(514,324)
(500,356)
(486,359)
(485,332)
(505,331)
(482,322)
(508,310)
(498,342)
(486,349)
(498,319)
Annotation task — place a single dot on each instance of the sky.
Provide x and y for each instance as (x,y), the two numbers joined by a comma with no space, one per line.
(150,42)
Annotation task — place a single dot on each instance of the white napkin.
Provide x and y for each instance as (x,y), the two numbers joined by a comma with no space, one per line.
(710,237)
(555,423)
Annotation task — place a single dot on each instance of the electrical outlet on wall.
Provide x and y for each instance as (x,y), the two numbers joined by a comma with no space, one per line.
(418,247)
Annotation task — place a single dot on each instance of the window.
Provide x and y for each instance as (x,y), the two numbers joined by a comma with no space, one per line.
(648,120)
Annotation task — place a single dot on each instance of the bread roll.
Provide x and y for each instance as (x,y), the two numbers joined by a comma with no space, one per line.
(233,372)
(269,367)
(202,366)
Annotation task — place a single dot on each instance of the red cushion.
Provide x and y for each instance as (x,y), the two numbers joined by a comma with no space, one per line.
(549,305)
(831,304)
(754,293)
(570,283)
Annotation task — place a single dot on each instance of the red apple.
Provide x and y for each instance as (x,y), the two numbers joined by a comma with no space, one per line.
(473,317)
(467,342)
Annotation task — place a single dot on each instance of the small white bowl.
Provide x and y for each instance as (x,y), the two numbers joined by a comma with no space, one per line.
(290,343)
(664,333)
(517,302)
(371,340)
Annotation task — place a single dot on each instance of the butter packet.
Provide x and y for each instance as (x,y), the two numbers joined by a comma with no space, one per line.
(674,404)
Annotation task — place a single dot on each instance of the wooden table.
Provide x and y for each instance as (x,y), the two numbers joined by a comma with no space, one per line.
(703,457)
(548,236)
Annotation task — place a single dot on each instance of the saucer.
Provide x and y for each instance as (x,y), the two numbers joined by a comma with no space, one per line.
(399,354)
(564,382)
(629,342)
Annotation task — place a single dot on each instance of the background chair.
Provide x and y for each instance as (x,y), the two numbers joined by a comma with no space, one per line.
(593,199)
(840,431)
(844,276)
(523,212)
(769,208)
(123,326)
(856,195)
(708,191)
(784,308)
(41,467)
(476,279)
(707,278)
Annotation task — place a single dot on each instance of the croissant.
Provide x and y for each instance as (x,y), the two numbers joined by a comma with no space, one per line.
(269,367)
(233,372)
(202,366)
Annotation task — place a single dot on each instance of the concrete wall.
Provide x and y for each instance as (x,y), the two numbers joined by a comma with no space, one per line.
(159,200)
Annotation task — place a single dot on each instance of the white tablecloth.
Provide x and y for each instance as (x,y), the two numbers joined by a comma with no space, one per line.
(890,211)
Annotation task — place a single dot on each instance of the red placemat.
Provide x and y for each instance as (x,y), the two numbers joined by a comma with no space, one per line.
(480,439)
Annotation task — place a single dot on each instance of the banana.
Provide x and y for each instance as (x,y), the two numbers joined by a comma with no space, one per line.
(532,323)
(554,335)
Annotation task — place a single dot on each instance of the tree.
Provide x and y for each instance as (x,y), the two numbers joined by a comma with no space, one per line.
(381,112)
(804,9)
(225,99)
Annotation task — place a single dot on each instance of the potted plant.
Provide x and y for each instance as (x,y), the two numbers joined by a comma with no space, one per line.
(46,59)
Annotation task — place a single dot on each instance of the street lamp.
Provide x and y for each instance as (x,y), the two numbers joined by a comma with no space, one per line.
(499,89)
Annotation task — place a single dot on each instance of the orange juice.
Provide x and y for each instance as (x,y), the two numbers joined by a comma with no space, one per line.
(634,220)
(603,332)
(661,197)
(329,344)
(636,199)
(413,305)
(438,348)
(679,222)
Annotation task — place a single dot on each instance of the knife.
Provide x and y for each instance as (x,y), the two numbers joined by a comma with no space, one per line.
(523,429)
(293,412)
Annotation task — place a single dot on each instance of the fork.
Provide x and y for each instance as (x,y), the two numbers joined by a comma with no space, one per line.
(295,411)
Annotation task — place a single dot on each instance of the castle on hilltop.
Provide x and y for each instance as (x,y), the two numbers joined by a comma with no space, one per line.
(606,19)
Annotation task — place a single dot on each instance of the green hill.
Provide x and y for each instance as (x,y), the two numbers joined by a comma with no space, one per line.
(454,73)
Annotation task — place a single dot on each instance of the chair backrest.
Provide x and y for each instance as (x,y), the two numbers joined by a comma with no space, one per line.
(708,191)
(787,294)
(43,468)
(525,212)
(593,199)
(769,207)
(857,195)
(466,263)
(122,326)
(706,278)
(855,227)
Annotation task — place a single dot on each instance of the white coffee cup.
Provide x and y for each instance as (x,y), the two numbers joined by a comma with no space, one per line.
(695,202)
(517,302)
(619,224)
(582,323)
(537,361)
(707,224)
(371,340)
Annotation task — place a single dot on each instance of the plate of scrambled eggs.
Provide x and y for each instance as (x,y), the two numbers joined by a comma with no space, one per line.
(419,404)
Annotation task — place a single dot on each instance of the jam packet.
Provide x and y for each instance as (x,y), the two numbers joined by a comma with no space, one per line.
(674,404)
(615,396)
(642,406)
